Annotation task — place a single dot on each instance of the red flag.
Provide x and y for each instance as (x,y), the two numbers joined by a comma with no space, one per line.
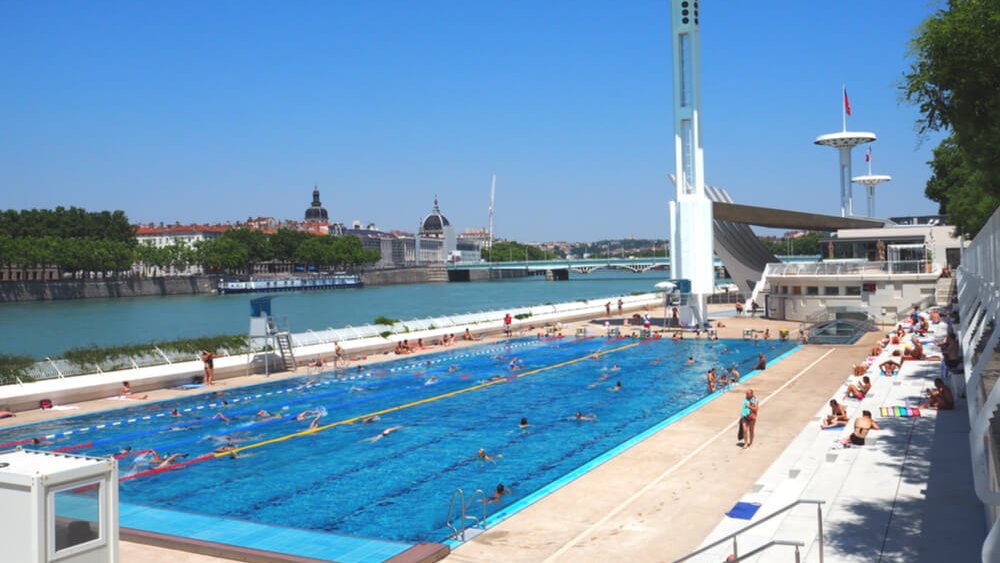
(868,155)
(847,103)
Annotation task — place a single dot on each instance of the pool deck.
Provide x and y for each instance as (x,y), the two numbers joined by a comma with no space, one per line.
(656,501)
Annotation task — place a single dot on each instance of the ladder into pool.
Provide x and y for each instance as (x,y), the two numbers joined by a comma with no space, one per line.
(464,532)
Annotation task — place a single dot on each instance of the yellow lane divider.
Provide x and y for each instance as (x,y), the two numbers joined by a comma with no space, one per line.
(420,402)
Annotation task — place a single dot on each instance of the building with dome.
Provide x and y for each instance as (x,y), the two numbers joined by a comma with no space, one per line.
(437,236)
(316,213)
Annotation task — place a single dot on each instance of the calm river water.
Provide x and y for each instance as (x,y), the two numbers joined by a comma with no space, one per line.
(47,328)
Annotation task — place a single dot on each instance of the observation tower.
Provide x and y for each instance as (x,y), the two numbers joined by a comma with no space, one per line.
(844,141)
(869,181)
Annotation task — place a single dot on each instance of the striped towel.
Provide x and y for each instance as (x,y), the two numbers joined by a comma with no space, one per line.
(899,411)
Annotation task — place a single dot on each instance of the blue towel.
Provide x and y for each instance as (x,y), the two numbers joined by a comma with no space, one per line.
(834,428)
(743,510)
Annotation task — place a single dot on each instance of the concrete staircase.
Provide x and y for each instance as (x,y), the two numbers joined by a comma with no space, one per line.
(437,273)
(944,291)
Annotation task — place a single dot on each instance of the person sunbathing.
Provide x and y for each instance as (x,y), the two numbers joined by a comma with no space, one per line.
(941,397)
(838,416)
(126,392)
(859,392)
(915,352)
(891,366)
(862,426)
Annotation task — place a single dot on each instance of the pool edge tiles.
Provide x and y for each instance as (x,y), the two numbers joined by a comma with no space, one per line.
(545,491)
(264,537)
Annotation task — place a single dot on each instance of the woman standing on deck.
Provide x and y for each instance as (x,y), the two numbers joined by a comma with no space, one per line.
(748,420)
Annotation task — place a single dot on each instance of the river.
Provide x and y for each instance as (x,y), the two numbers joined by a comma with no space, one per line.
(47,328)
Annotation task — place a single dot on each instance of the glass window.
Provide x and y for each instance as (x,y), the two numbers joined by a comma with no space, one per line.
(831,290)
(812,290)
(797,290)
(852,290)
(76,516)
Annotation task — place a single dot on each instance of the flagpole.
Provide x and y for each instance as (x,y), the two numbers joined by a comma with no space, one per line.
(843,105)
(869,160)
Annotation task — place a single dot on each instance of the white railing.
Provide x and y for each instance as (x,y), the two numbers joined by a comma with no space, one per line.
(979,301)
(837,268)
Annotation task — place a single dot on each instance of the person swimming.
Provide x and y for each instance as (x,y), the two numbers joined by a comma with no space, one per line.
(481,455)
(615,367)
(370,419)
(499,493)
(690,360)
(383,434)
(580,416)
(524,423)
(175,412)
(431,380)
(616,387)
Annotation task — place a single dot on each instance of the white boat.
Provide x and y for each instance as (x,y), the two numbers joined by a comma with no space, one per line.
(336,281)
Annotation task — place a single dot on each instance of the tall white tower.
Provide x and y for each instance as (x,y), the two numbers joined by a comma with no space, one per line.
(691,244)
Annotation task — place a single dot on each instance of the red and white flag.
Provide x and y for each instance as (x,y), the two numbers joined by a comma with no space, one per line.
(868,155)
(847,103)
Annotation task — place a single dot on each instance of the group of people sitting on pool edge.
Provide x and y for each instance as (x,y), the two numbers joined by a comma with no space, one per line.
(404,347)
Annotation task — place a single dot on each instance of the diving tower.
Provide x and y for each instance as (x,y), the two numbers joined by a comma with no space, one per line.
(869,181)
(691,230)
(844,141)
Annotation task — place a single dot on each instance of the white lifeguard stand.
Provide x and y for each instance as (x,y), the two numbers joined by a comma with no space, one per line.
(261,332)
(58,508)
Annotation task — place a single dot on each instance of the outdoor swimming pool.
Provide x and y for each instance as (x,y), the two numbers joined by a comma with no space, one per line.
(343,479)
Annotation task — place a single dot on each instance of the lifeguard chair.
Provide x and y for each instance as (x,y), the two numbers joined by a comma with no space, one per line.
(58,507)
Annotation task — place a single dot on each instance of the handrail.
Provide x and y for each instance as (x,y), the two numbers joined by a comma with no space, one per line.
(819,521)
(479,493)
(458,534)
(770,544)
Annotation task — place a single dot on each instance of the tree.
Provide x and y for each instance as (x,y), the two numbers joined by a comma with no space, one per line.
(955,81)
(221,255)
(512,251)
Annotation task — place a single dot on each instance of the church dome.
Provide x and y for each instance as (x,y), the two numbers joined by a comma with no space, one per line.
(434,223)
(316,212)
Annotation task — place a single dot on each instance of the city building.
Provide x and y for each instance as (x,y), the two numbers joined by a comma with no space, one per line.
(316,213)
(163,236)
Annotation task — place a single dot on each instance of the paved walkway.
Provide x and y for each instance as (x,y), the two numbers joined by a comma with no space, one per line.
(658,500)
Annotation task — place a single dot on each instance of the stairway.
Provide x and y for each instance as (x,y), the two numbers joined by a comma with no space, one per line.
(284,340)
(437,273)
(944,291)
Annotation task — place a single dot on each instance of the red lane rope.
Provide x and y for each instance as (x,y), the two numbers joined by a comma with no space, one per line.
(74,447)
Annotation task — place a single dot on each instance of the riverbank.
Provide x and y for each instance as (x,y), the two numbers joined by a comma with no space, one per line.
(60,290)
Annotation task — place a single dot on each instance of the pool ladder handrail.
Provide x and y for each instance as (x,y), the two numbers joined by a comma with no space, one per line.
(736,552)
(458,533)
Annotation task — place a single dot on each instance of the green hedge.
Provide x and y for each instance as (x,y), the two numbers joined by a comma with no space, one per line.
(13,367)
(97,355)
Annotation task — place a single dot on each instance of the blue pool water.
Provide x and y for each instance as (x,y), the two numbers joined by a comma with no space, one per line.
(398,487)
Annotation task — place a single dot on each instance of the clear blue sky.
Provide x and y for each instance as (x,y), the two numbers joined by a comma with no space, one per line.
(216,111)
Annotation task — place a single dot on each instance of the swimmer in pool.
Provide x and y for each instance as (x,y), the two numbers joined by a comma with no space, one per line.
(264,414)
(656,361)
(580,416)
(431,380)
(499,493)
(524,423)
(453,368)
(481,455)
(616,387)
(175,412)
(220,416)
(304,414)
(614,367)
(383,434)
(690,360)
(159,462)
(370,419)
(124,451)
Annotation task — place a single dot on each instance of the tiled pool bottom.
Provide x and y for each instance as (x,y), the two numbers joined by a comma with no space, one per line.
(264,537)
